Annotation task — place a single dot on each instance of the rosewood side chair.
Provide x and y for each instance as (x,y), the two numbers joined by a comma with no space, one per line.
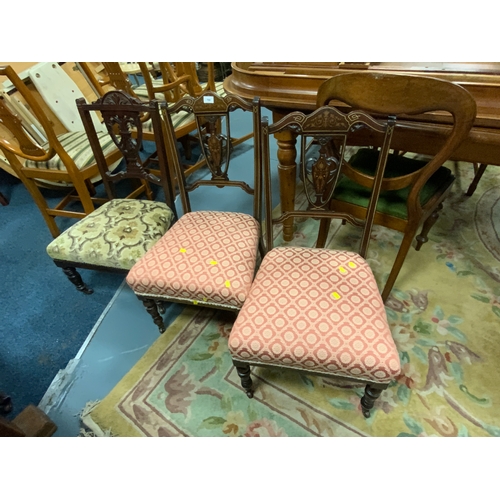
(207,258)
(117,234)
(65,160)
(312,309)
(413,190)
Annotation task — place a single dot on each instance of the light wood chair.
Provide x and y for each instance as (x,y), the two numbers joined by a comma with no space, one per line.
(65,160)
(413,190)
(115,78)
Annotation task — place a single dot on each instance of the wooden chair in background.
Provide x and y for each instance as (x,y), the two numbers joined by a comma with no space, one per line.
(115,78)
(311,309)
(65,160)
(207,257)
(118,233)
(413,190)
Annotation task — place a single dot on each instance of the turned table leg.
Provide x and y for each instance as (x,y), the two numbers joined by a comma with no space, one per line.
(287,171)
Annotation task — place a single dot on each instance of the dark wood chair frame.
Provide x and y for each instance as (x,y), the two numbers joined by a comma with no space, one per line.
(209,108)
(328,128)
(123,113)
(401,96)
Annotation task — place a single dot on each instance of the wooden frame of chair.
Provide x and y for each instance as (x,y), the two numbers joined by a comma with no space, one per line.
(401,95)
(176,86)
(80,179)
(122,114)
(329,129)
(179,80)
(208,108)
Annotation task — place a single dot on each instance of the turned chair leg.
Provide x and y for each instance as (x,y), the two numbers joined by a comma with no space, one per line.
(372,392)
(152,308)
(161,306)
(429,222)
(243,370)
(75,278)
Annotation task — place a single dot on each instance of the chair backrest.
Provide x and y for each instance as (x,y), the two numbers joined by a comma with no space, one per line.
(323,137)
(403,96)
(27,147)
(174,85)
(213,119)
(123,115)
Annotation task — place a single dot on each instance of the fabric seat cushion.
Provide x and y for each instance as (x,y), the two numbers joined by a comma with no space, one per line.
(206,257)
(318,310)
(77,146)
(115,235)
(390,202)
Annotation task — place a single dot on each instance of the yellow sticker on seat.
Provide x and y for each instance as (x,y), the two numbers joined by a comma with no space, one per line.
(352,265)
(336,295)
(228,284)
(182,250)
(195,302)
(213,262)
(342,270)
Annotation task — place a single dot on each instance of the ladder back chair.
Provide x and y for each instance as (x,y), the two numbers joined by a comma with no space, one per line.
(207,258)
(65,160)
(413,190)
(117,234)
(312,309)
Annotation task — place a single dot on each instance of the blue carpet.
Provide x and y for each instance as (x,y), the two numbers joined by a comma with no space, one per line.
(44,319)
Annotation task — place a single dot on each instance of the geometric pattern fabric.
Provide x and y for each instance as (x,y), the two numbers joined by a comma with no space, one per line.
(318,310)
(114,235)
(206,258)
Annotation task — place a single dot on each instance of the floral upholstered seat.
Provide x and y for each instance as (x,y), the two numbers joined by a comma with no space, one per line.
(206,258)
(115,235)
(317,310)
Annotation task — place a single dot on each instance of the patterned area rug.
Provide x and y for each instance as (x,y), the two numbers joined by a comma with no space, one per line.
(445,318)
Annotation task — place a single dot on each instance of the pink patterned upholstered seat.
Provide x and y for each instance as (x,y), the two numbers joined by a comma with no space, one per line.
(206,257)
(317,310)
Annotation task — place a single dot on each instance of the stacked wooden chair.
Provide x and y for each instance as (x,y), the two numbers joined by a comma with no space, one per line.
(65,160)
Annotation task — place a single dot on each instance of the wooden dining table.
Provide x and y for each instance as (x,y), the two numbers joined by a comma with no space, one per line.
(290,86)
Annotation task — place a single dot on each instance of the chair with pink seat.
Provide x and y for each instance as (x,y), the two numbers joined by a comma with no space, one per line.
(207,257)
(313,309)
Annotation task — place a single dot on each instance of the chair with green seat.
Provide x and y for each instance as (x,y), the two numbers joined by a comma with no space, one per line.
(117,234)
(413,190)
